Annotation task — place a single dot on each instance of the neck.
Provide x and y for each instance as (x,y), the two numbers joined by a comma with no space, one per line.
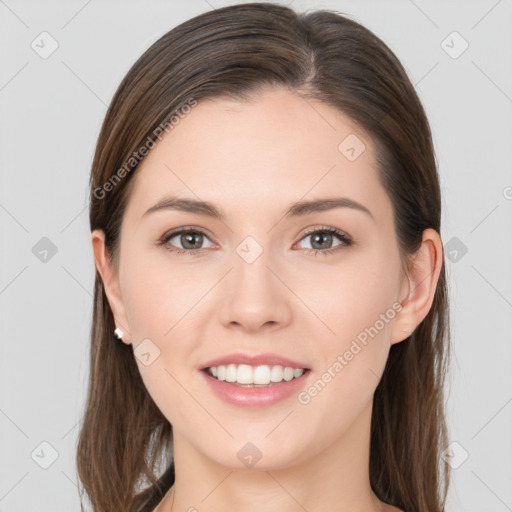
(336,478)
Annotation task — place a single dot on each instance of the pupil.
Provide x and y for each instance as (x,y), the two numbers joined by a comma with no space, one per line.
(186,238)
(326,235)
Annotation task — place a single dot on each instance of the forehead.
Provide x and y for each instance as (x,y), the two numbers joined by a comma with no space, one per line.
(272,150)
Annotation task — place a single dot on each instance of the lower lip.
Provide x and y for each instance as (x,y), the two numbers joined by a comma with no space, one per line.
(257,396)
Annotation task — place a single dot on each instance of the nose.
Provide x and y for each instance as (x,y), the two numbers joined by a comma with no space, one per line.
(255,295)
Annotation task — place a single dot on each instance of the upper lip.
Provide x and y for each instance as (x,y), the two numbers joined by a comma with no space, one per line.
(254,360)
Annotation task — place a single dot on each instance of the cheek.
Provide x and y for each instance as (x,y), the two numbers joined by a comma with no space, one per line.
(352,360)
(347,299)
(160,302)
(156,293)
(154,311)
(355,306)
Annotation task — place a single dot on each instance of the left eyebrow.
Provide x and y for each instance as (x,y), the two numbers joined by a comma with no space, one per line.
(318,205)
(297,209)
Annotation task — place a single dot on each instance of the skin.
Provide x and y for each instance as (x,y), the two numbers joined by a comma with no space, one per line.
(252,160)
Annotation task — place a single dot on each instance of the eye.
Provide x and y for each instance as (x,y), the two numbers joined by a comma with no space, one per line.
(190,239)
(322,240)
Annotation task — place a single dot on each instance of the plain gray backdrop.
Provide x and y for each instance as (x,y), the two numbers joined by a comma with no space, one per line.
(60,65)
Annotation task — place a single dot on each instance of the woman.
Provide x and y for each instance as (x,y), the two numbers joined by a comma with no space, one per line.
(265,216)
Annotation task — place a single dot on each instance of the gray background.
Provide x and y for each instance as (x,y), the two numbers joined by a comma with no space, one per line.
(51,112)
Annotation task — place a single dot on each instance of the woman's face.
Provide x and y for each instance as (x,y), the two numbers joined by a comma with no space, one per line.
(249,283)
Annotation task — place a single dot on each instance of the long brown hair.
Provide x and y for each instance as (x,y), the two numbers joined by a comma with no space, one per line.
(235,51)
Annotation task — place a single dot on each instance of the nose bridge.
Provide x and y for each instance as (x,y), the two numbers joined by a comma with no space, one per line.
(255,296)
(251,266)
(252,278)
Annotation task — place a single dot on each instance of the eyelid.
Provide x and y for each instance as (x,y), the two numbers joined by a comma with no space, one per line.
(330,229)
(177,231)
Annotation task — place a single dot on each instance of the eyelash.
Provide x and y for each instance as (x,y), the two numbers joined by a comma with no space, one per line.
(344,238)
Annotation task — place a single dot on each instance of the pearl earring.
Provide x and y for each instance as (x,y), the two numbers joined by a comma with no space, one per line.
(118,333)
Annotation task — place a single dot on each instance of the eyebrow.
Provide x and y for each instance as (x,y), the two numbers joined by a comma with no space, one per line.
(297,209)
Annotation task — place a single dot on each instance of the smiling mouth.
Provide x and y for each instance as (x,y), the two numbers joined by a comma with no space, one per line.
(245,375)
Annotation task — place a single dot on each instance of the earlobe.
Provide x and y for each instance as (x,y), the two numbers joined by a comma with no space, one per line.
(110,283)
(423,277)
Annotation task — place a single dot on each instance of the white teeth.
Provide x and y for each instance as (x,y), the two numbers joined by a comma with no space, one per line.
(250,375)
(244,374)
(276,375)
(231,373)
(288,373)
(261,374)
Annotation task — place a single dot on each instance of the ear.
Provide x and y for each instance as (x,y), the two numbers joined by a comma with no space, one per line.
(419,286)
(110,283)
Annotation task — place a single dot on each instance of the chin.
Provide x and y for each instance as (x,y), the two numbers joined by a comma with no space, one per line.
(257,456)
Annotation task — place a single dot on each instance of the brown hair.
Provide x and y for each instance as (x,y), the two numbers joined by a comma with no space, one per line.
(236,51)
